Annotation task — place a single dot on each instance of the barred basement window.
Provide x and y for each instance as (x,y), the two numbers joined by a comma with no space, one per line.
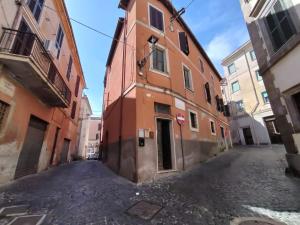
(3,112)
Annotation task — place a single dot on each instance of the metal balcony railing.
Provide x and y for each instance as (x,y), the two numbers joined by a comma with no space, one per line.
(28,44)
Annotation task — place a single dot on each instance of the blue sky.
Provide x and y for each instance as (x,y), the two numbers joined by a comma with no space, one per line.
(218,25)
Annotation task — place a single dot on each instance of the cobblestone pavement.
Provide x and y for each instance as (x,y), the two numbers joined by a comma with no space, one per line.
(245,182)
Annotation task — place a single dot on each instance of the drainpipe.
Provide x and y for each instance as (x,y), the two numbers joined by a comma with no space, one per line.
(256,95)
(122,91)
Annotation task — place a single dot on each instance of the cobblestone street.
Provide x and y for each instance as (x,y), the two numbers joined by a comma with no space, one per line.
(245,182)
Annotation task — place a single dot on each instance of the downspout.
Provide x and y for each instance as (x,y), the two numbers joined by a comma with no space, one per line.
(256,95)
(122,91)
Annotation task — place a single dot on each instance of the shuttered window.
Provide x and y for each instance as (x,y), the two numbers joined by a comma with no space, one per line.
(69,68)
(280,26)
(207,92)
(59,40)
(36,7)
(73,112)
(201,66)
(77,86)
(3,112)
(184,45)
(156,18)
(220,104)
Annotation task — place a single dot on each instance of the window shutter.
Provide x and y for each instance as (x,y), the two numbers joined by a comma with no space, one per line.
(77,86)
(156,19)
(73,113)
(207,90)
(69,68)
(226,111)
(184,46)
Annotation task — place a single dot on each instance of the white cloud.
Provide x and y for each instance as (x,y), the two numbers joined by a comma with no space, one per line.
(226,42)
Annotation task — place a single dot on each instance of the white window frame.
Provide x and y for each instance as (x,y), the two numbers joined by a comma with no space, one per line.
(232,64)
(251,55)
(214,122)
(190,121)
(237,81)
(167,73)
(191,78)
(149,19)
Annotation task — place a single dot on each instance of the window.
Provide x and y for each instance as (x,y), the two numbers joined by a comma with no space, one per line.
(226,111)
(59,40)
(156,18)
(280,26)
(159,59)
(188,81)
(201,66)
(99,126)
(258,76)
(184,44)
(231,68)
(220,104)
(265,97)
(36,7)
(212,127)
(97,136)
(73,112)
(222,132)
(193,121)
(69,68)
(77,86)
(240,106)
(235,86)
(3,112)
(252,55)
(162,108)
(207,92)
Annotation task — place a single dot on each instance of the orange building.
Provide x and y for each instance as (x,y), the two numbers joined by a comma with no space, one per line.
(157,72)
(41,82)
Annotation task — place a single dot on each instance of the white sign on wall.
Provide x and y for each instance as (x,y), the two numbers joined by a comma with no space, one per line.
(179,104)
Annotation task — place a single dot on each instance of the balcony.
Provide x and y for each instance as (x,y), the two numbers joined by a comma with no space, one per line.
(25,56)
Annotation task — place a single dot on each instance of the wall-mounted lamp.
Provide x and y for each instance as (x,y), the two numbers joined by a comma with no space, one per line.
(152,40)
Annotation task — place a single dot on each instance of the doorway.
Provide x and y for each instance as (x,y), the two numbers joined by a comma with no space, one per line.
(164,146)
(272,128)
(65,151)
(54,146)
(248,136)
(31,150)
(24,40)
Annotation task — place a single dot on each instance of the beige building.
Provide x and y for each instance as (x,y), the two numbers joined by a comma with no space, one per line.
(41,82)
(274,27)
(252,120)
(95,124)
(84,127)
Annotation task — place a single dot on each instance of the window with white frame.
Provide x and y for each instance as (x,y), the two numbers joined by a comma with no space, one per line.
(212,127)
(265,97)
(159,59)
(36,7)
(240,106)
(252,55)
(231,68)
(188,81)
(235,86)
(258,76)
(156,18)
(193,117)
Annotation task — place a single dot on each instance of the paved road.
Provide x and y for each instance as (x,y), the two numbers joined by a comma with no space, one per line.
(245,182)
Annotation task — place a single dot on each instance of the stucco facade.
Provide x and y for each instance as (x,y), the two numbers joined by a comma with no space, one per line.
(95,124)
(252,120)
(40,90)
(84,127)
(148,85)
(275,33)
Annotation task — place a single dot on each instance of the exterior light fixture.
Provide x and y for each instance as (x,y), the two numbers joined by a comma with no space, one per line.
(152,40)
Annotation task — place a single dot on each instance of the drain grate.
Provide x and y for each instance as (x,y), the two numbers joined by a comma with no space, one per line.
(28,220)
(16,210)
(254,221)
(144,210)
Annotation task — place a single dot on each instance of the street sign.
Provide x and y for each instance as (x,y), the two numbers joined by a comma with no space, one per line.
(180,119)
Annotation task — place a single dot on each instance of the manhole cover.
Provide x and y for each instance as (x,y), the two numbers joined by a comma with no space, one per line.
(144,210)
(28,220)
(16,210)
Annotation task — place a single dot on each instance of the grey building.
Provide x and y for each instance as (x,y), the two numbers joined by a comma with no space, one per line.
(274,27)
